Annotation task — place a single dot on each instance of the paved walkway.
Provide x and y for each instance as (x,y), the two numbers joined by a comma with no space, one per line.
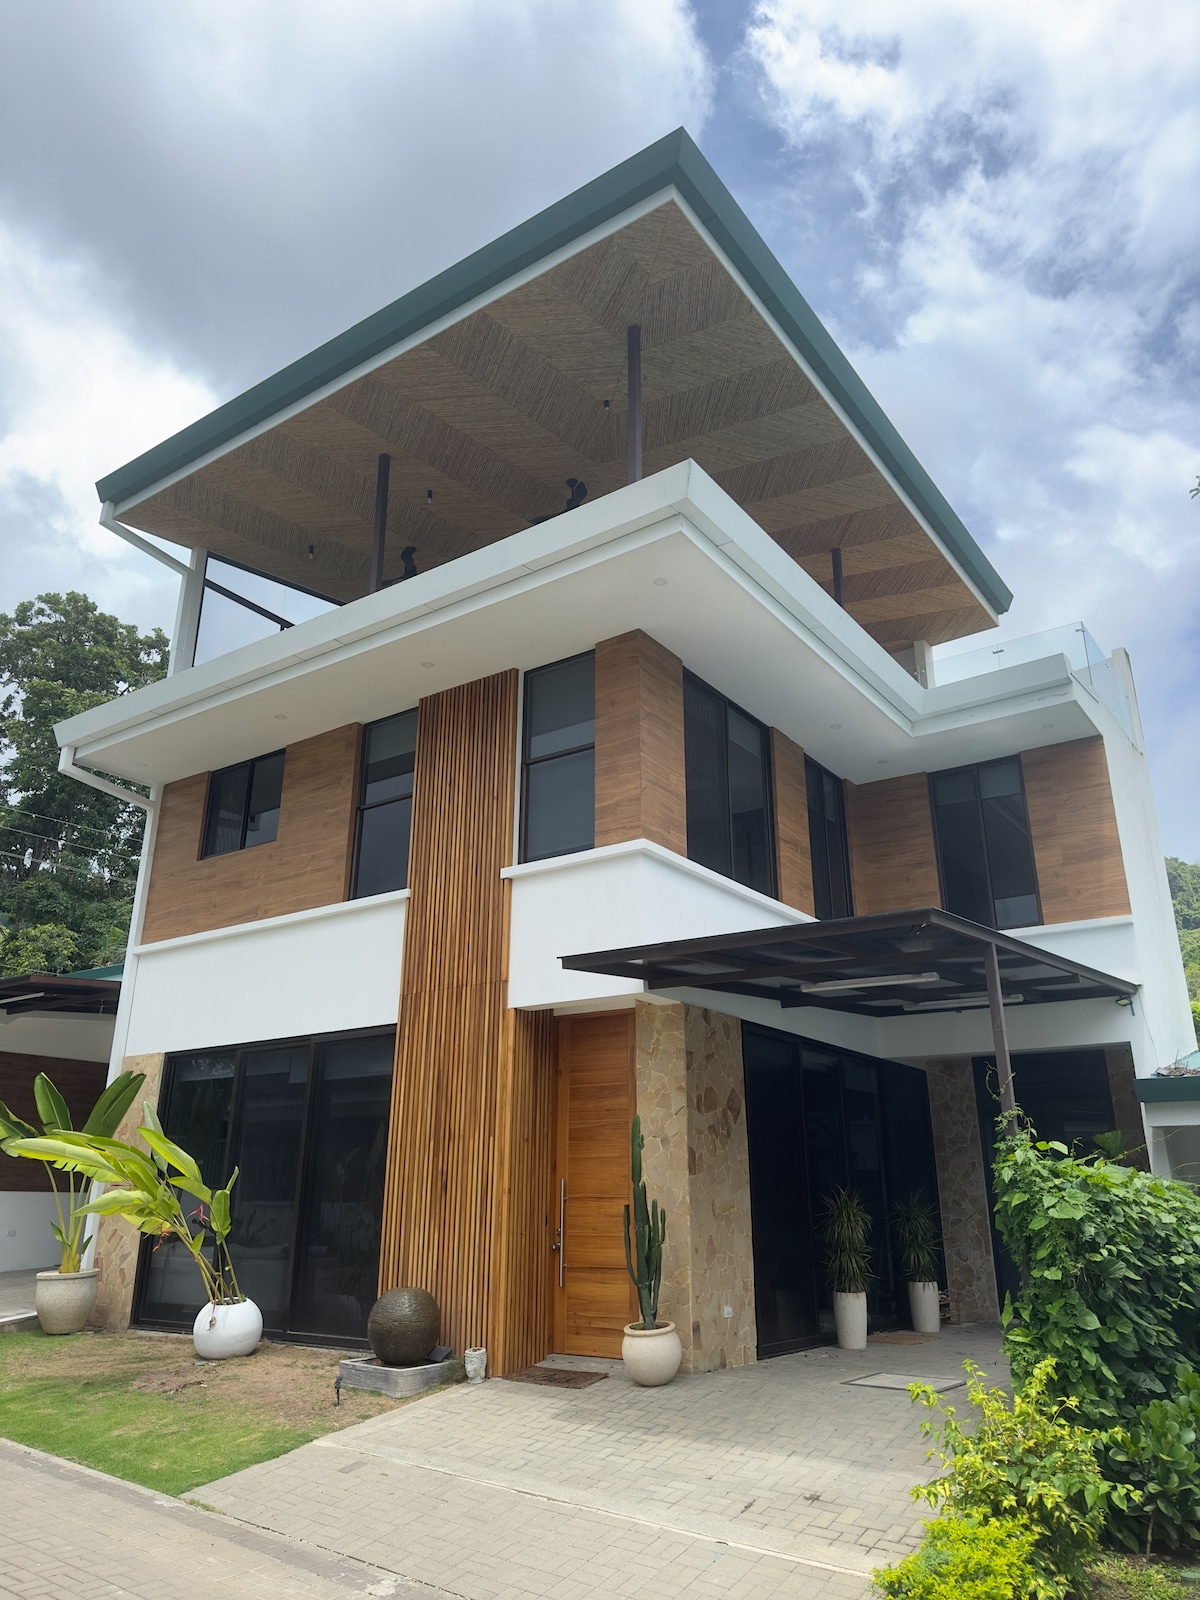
(16,1297)
(779,1480)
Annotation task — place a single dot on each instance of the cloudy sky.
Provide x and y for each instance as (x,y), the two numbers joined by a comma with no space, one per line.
(995,209)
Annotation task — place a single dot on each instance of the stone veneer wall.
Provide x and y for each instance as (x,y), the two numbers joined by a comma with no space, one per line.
(116,1242)
(1127,1110)
(966,1223)
(691,1099)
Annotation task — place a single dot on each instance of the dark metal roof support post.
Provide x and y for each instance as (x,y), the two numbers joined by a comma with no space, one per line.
(380,534)
(835,556)
(1004,1072)
(633,406)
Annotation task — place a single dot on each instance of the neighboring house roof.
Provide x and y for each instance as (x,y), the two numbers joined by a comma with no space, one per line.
(115,972)
(40,991)
(504,376)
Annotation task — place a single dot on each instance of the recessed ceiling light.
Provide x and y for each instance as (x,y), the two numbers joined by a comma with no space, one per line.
(1047,724)
(835,725)
(881,763)
(427,663)
(660,583)
(279,717)
(143,765)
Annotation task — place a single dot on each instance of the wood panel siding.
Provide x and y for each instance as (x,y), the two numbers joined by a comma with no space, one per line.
(893,864)
(467,1188)
(81,1083)
(640,785)
(596,1101)
(1076,847)
(307,864)
(793,853)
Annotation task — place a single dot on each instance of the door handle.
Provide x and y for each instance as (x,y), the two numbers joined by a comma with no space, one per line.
(559,1240)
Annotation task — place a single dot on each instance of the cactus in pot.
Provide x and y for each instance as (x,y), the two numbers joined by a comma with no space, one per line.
(650,1349)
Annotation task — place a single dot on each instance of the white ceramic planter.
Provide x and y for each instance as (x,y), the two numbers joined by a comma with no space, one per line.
(925,1307)
(64,1300)
(475,1363)
(651,1355)
(850,1320)
(223,1331)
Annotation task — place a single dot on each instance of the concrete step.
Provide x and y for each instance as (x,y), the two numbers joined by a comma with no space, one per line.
(23,1320)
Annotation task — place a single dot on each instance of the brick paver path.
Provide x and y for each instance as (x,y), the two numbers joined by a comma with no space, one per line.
(771,1481)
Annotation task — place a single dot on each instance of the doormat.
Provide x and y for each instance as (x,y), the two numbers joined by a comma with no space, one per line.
(900,1336)
(896,1380)
(555,1377)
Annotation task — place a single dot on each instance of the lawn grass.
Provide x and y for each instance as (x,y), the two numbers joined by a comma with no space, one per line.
(142,1407)
(1120,1577)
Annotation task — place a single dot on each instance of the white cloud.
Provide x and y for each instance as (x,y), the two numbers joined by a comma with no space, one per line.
(1027,307)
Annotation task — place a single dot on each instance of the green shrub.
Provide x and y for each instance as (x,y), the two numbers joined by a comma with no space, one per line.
(1025,1460)
(965,1558)
(1110,1270)
(1157,1456)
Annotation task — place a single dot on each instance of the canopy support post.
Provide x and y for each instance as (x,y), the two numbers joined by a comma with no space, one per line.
(633,407)
(379,535)
(1004,1072)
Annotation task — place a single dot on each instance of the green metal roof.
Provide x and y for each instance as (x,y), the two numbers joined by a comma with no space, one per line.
(673,161)
(114,973)
(1173,1086)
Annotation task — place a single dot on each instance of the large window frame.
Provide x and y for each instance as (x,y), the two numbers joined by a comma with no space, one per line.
(530,762)
(366,805)
(724,707)
(817,782)
(973,772)
(257,771)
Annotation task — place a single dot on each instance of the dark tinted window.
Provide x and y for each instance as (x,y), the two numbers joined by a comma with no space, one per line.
(243,805)
(728,778)
(985,855)
(385,805)
(827,842)
(558,813)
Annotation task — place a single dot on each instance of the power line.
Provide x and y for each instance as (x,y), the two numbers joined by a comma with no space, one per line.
(61,866)
(42,817)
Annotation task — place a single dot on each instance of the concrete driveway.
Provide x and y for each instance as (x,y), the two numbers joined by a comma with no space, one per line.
(782,1479)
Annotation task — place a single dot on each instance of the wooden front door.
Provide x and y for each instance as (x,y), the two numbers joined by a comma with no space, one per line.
(592,1294)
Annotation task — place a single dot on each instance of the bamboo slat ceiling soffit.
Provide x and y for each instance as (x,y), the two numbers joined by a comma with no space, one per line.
(496,412)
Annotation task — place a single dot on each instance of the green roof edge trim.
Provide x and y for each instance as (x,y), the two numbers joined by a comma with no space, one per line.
(674,160)
(1154,1091)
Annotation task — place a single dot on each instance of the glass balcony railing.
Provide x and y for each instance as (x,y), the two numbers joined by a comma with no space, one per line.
(1089,665)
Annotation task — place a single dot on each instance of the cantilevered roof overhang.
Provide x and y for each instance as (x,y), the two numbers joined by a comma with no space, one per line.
(504,377)
(42,992)
(901,963)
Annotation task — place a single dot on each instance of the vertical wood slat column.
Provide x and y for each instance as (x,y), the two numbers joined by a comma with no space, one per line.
(793,852)
(640,774)
(469,1144)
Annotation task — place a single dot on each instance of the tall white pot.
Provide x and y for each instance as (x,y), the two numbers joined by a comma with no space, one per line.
(850,1320)
(924,1304)
(64,1300)
(223,1331)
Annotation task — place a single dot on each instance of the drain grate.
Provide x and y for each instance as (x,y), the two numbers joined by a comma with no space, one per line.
(897,1380)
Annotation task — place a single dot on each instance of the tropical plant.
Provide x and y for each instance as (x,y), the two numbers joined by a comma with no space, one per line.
(1109,1259)
(55,1117)
(645,1233)
(847,1236)
(150,1193)
(1157,1456)
(1026,1459)
(965,1558)
(917,1235)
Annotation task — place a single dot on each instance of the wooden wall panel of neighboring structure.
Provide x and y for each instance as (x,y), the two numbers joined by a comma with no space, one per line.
(639,743)
(467,1187)
(793,854)
(892,860)
(308,864)
(1074,829)
(80,1083)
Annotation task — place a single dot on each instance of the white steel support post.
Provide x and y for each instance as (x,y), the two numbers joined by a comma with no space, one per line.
(187,614)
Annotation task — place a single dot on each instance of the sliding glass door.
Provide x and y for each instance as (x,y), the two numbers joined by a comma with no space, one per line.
(305,1123)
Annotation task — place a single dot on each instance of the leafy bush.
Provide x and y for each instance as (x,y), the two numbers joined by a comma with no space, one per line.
(1026,1460)
(1157,1456)
(965,1558)
(1110,1270)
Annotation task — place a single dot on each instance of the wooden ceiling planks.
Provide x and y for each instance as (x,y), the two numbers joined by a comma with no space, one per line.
(495,412)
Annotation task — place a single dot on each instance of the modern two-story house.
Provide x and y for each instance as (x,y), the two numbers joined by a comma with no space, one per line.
(619,776)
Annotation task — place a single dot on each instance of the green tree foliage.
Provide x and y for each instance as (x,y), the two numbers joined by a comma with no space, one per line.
(1184,880)
(68,854)
(1110,1272)
(1157,1456)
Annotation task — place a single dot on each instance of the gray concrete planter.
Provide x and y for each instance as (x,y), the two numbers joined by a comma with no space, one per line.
(64,1300)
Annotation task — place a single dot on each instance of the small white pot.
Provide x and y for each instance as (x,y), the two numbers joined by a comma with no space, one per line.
(850,1320)
(64,1300)
(925,1307)
(223,1331)
(652,1356)
(475,1363)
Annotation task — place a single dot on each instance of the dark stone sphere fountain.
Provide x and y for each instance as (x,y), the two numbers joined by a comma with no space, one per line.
(403,1327)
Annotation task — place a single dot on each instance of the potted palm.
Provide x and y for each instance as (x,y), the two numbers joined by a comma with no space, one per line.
(149,1195)
(64,1298)
(650,1349)
(847,1234)
(917,1235)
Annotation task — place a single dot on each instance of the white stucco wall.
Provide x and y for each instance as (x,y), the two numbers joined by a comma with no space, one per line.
(25,1237)
(321,971)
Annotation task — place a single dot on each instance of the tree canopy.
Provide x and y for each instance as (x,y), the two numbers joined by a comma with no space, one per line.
(68,854)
